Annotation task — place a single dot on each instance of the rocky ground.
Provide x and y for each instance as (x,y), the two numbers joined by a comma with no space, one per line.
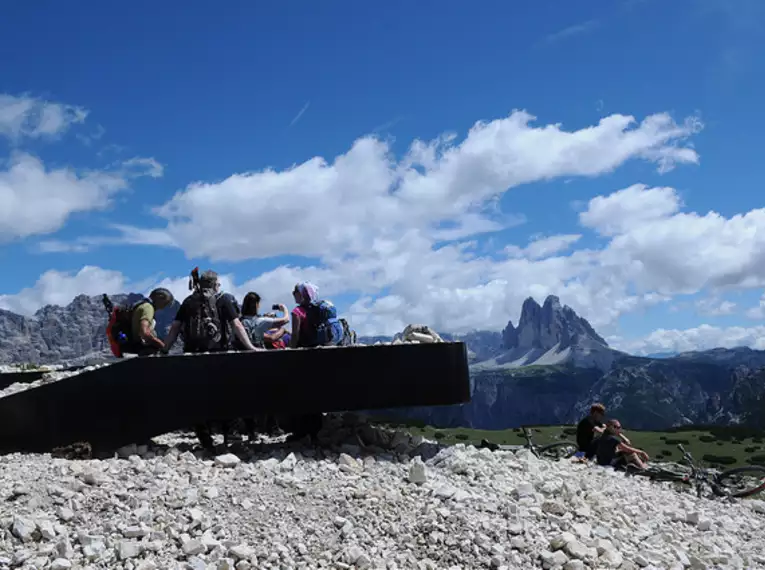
(364,498)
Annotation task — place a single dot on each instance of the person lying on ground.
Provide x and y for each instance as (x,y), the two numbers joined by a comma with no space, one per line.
(589,429)
(613,451)
(263,330)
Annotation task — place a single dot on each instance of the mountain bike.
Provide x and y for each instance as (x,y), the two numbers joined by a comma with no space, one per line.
(737,482)
(553,451)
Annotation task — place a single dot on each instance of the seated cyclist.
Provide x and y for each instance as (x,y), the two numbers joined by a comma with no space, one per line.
(613,451)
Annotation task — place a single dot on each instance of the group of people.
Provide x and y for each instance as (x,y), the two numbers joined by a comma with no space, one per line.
(605,441)
(211,320)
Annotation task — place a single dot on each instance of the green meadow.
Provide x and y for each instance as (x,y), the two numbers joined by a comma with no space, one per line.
(722,447)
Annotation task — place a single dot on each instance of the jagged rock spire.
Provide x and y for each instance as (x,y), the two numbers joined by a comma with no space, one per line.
(546,326)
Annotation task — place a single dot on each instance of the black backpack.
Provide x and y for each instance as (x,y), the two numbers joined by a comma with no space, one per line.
(203,330)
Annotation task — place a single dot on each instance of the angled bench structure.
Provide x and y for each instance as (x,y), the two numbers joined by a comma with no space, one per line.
(138,398)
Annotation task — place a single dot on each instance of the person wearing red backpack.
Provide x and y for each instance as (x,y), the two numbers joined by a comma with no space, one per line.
(131,328)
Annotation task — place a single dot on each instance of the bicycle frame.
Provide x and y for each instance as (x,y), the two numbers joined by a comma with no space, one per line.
(698,478)
(530,445)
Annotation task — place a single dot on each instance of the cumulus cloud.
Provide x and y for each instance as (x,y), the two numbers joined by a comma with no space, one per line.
(543,246)
(703,337)
(714,307)
(757,312)
(368,194)
(395,234)
(37,200)
(30,117)
(60,287)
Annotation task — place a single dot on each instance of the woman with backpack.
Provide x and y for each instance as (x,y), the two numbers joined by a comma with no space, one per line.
(314,321)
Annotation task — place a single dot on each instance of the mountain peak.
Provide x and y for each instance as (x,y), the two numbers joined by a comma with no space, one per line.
(548,326)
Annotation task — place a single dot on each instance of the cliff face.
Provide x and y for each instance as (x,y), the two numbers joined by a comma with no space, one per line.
(552,334)
(68,334)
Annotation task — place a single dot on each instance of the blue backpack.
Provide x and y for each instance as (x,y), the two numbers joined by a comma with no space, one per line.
(324,328)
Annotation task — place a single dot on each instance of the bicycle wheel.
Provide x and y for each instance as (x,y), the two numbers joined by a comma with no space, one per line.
(741,481)
(558,450)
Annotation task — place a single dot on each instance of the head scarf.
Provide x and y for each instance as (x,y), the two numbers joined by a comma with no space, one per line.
(308,291)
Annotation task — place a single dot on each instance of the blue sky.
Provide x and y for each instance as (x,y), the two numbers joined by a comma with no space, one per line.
(201,94)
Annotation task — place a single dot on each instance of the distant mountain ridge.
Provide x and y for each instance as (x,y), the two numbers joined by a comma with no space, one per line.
(546,370)
(72,334)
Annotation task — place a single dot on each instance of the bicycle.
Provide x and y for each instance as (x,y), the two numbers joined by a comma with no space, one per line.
(553,451)
(701,478)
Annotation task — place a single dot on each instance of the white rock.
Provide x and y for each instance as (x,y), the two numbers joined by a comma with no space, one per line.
(64,513)
(46,529)
(193,546)
(576,549)
(23,529)
(60,564)
(524,490)
(417,472)
(227,460)
(611,559)
(241,551)
(129,549)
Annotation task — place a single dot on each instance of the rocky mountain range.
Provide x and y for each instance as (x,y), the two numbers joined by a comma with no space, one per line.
(70,335)
(546,370)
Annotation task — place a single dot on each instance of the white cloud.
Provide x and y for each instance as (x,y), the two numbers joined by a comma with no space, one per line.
(703,337)
(60,287)
(543,246)
(661,249)
(376,225)
(31,117)
(375,228)
(714,307)
(39,201)
(322,209)
(140,166)
(757,312)
(628,209)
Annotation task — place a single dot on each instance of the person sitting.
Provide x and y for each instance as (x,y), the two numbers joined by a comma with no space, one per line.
(589,429)
(209,319)
(263,330)
(143,323)
(612,450)
(314,321)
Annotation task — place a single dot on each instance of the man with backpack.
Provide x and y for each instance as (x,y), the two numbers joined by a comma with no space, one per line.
(131,329)
(208,318)
(209,321)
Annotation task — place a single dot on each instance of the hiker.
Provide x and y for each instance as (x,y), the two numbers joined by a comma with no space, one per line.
(589,429)
(264,330)
(209,318)
(144,323)
(612,450)
(314,321)
(131,329)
